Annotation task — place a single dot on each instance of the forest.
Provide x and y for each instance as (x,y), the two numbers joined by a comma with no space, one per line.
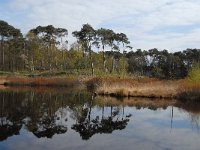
(95,52)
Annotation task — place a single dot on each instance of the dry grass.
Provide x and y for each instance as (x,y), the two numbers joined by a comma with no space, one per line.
(146,87)
(189,91)
(139,87)
(40,81)
(39,89)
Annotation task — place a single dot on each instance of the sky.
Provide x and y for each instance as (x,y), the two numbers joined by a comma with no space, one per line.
(164,24)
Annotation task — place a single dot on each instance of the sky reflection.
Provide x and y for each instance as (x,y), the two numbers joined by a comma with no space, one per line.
(158,129)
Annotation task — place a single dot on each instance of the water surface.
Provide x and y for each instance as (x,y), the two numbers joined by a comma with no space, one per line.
(77,120)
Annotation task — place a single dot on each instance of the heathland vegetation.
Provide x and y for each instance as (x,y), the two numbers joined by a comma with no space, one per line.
(100,58)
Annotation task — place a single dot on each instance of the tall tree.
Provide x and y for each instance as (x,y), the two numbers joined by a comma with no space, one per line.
(8,35)
(123,39)
(49,38)
(103,37)
(86,36)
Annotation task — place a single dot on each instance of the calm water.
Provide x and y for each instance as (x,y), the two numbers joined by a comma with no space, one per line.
(77,120)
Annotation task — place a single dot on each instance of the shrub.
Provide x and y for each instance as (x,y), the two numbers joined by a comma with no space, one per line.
(194,73)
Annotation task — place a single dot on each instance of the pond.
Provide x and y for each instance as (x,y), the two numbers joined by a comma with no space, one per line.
(76,119)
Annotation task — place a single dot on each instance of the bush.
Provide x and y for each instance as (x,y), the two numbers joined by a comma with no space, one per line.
(194,73)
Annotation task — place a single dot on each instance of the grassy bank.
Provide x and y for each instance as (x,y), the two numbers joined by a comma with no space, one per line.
(115,86)
(145,87)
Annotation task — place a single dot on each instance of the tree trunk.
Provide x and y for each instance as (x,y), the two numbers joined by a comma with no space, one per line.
(92,67)
(2,53)
(3,56)
(13,65)
(32,65)
(103,112)
(63,59)
(91,61)
(90,107)
(113,64)
(104,60)
(49,59)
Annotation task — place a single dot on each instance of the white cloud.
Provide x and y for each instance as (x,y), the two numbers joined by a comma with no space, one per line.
(140,20)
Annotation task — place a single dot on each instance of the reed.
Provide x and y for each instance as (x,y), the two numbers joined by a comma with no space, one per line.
(146,87)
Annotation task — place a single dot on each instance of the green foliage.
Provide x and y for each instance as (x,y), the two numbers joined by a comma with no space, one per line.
(45,49)
(194,73)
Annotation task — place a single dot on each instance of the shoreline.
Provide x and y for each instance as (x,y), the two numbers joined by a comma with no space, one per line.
(113,87)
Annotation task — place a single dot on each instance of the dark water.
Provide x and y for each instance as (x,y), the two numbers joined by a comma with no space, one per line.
(77,120)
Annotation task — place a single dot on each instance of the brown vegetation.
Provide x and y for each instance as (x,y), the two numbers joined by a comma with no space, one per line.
(116,87)
(145,87)
(40,81)
(189,90)
(40,89)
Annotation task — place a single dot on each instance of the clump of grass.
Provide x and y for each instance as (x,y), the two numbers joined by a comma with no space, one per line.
(189,95)
(99,81)
(145,87)
(122,93)
(189,91)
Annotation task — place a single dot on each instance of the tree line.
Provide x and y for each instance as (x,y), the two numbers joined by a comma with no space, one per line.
(96,51)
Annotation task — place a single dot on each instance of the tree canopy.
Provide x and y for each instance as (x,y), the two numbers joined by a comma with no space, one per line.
(96,51)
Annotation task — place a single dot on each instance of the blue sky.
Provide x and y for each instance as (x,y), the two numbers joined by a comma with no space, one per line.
(162,24)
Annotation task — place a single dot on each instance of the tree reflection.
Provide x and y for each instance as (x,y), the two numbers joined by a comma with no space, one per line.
(48,119)
(193,110)
(8,128)
(47,127)
(42,114)
(47,114)
(10,116)
(87,127)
